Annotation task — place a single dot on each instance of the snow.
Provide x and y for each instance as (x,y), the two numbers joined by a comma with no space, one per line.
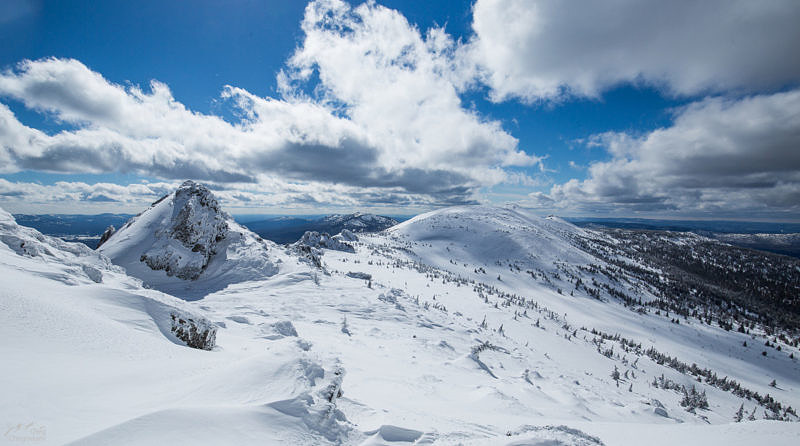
(317,241)
(423,359)
(185,245)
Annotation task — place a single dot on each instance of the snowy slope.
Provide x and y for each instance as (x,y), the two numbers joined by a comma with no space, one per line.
(186,245)
(89,355)
(487,235)
(460,337)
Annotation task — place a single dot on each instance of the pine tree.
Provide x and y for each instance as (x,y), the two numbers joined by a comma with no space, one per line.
(739,414)
(615,375)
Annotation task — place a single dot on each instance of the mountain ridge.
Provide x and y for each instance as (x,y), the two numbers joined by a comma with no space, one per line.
(466,325)
(185,241)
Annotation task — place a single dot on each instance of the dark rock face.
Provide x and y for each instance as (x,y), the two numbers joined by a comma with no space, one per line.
(199,334)
(106,235)
(199,224)
(311,255)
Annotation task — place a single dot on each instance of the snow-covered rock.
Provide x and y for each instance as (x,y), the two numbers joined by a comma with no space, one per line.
(193,331)
(106,235)
(322,240)
(346,235)
(186,236)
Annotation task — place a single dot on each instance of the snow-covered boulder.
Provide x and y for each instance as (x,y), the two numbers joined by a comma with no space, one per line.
(194,331)
(322,240)
(346,236)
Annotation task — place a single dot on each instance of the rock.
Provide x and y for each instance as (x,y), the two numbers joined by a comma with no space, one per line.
(347,236)
(194,332)
(106,235)
(320,240)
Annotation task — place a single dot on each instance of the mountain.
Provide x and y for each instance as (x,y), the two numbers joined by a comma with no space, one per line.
(357,222)
(786,244)
(291,229)
(74,228)
(185,244)
(472,325)
(778,238)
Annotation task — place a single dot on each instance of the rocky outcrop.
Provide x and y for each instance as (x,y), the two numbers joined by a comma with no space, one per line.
(198,224)
(322,240)
(195,332)
(106,235)
(186,236)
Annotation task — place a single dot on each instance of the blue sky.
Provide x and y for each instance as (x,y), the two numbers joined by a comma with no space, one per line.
(629,110)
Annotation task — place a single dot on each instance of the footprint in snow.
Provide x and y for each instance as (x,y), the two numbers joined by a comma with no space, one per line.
(240,319)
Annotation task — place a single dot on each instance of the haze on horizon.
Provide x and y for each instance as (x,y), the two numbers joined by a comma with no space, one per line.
(677,110)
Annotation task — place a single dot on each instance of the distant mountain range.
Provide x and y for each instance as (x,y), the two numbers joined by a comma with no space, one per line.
(87,229)
(183,321)
(289,229)
(779,238)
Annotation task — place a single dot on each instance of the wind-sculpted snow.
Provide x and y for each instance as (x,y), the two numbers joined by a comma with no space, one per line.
(75,259)
(54,262)
(473,325)
(187,237)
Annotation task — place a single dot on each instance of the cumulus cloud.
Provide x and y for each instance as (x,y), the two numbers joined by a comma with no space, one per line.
(399,86)
(386,116)
(370,112)
(549,50)
(719,157)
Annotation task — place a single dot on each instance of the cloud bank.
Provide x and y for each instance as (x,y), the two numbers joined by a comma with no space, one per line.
(537,50)
(735,158)
(370,113)
(387,118)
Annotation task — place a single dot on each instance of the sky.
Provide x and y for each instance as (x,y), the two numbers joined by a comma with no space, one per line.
(620,108)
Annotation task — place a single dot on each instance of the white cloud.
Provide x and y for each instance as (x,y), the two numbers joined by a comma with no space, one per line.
(719,157)
(388,118)
(549,50)
(399,86)
(370,112)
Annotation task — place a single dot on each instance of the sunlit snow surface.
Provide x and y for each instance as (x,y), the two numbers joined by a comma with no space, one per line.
(305,357)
